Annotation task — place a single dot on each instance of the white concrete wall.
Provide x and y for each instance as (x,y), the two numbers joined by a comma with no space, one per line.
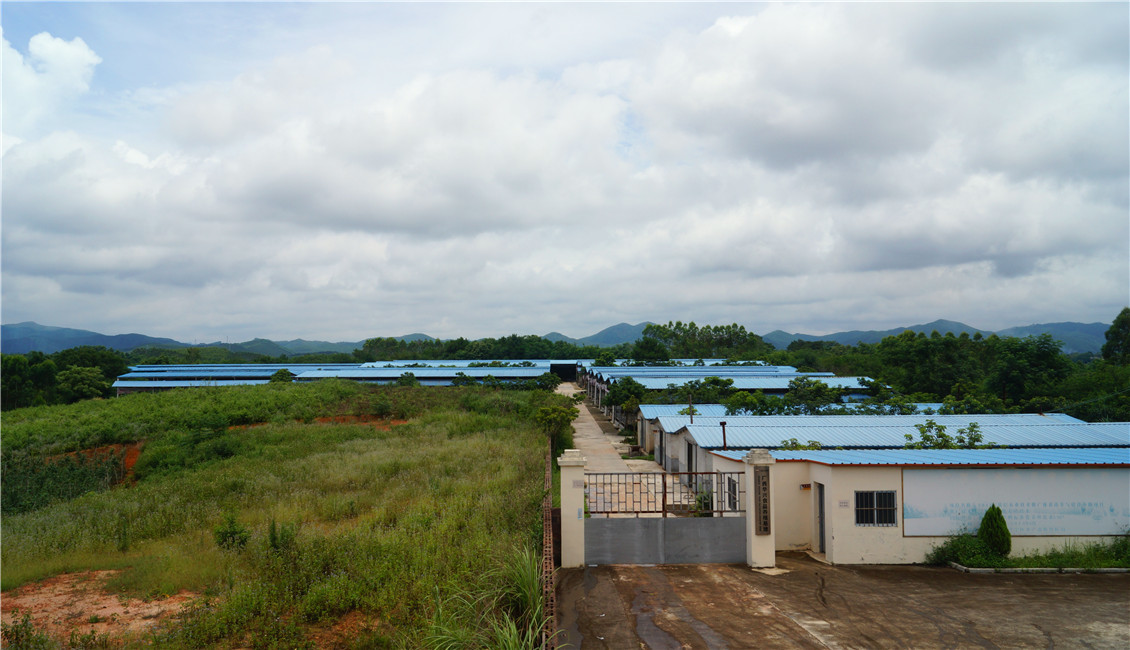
(796,526)
(675,449)
(792,507)
(852,544)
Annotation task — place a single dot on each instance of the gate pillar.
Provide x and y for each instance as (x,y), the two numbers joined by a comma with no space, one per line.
(761,539)
(572,465)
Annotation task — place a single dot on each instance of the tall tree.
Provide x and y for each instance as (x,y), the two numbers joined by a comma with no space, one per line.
(649,350)
(1117,346)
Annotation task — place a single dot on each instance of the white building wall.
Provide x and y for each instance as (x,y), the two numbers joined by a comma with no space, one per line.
(797,528)
(848,543)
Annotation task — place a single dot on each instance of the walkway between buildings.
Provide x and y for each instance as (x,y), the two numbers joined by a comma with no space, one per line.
(595,445)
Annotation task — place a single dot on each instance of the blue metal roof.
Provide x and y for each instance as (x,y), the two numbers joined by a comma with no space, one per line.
(934,457)
(951,422)
(589,363)
(780,383)
(197,383)
(463,363)
(371,374)
(1103,434)
(652,411)
(184,374)
(208,367)
(700,372)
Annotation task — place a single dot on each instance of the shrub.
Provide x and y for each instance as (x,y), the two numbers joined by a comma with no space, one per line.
(994,532)
(230,535)
(23,633)
(966,550)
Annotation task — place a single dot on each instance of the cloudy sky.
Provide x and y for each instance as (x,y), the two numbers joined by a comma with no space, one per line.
(341,171)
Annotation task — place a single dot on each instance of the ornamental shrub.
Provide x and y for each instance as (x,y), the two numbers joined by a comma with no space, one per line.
(994,531)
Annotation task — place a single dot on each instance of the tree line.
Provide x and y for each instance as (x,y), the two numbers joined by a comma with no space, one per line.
(968,374)
(965,374)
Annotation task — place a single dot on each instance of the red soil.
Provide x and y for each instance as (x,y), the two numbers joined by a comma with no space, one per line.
(77,602)
(130,453)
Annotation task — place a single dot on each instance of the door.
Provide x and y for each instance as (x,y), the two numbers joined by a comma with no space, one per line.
(820,516)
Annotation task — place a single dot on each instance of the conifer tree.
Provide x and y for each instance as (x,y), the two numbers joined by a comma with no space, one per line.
(994,531)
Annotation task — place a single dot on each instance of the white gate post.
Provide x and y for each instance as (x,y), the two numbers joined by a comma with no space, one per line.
(572,465)
(760,527)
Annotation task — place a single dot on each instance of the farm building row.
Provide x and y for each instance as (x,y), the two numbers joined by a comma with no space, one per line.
(863,498)
(426,372)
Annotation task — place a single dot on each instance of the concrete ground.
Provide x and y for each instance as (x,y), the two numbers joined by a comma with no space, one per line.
(808,604)
(596,437)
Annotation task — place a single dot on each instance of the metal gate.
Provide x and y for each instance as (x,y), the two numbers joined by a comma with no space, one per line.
(658,518)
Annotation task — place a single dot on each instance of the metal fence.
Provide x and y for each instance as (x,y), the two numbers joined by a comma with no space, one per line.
(688,494)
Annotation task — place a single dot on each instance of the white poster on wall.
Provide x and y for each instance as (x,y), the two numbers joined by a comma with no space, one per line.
(1034,501)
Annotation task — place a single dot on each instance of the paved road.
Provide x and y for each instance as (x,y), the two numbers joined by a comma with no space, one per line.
(812,605)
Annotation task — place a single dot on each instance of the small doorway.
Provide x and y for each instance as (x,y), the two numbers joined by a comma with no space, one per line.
(820,517)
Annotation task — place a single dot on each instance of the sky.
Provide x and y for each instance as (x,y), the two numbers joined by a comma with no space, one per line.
(339,171)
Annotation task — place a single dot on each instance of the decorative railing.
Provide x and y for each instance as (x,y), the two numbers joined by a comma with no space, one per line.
(686,494)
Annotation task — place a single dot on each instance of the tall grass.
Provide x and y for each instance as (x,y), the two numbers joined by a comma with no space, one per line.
(339,518)
(509,611)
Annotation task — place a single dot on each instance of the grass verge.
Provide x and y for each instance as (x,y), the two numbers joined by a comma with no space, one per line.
(969,551)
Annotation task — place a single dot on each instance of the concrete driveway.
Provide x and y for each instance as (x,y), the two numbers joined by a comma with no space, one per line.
(812,605)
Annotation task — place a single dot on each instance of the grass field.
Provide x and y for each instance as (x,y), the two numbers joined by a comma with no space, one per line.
(294,522)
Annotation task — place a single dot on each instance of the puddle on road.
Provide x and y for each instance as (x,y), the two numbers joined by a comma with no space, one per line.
(647,630)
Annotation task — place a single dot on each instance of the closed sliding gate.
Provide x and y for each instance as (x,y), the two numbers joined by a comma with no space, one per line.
(658,518)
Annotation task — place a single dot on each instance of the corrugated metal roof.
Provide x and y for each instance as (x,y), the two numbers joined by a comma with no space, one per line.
(202,367)
(589,363)
(420,373)
(1105,434)
(615,371)
(200,374)
(1063,456)
(751,382)
(462,363)
(652,411)
(199,383)
(951,422)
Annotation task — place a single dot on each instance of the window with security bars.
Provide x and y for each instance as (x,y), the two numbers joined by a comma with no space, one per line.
(731,493)
(875,509)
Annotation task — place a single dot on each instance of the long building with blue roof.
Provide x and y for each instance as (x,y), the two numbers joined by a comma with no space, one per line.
(152,377)
(688,447)
(892,506)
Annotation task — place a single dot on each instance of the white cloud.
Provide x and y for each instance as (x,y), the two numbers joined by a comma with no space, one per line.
(805,167)
(53,72)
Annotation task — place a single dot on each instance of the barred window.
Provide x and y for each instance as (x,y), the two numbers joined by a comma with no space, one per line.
(875,509)
(731,493)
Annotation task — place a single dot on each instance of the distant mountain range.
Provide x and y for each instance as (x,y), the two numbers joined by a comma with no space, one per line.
(615,335)
(1076,337)
(21,338)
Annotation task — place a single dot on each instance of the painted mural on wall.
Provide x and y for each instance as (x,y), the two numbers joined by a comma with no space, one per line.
(1034,501)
